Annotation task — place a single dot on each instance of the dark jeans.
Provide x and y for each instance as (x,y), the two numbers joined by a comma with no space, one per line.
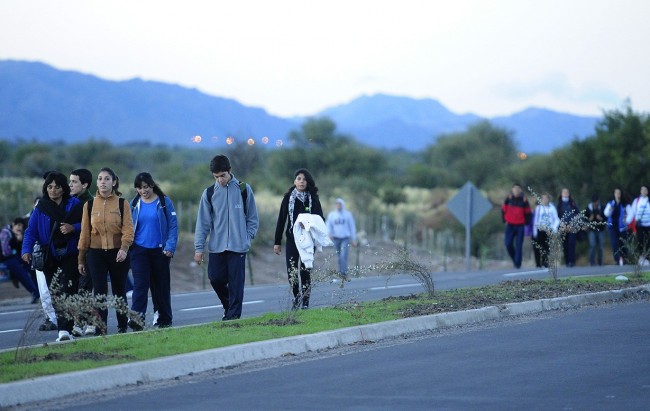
(514,241)
(67,284)
(596,243)
(570,249)
(616,239)
(643,237)
(342,247)
(292,257)
(541,249)
(18,270)
(150,268)
(99,262)
(86,283)
(227,274)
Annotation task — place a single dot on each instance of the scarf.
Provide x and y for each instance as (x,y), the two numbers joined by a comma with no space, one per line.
(304,197)
(58,214)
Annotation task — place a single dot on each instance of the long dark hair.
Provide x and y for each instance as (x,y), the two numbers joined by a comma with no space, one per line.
(115,178)
(148,180)
(311,183)
(60,180)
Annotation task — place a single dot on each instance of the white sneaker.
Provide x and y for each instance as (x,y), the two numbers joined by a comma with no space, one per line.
(77,331)
(155,318)
(64,336)
(89,330)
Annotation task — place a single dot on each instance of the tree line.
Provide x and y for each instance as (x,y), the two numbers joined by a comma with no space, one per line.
(616,155)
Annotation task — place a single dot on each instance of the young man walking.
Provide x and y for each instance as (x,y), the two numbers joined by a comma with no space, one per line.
(228,215)
(80,181)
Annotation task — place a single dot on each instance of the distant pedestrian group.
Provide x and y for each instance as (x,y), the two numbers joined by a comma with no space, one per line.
(565,222)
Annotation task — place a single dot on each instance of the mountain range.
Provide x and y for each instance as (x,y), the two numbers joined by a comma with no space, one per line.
(40,102)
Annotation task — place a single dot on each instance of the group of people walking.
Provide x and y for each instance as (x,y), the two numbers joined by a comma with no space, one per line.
(85,240)
(619,217)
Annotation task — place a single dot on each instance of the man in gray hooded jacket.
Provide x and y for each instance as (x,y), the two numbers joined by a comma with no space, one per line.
(230,218)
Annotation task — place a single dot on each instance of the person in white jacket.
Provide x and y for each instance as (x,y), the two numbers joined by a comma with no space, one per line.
(545,222)
(310,234)
(639,216)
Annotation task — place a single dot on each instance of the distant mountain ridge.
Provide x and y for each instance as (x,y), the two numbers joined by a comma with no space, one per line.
(41,102)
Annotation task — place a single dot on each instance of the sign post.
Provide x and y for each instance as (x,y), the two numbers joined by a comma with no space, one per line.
(469,206)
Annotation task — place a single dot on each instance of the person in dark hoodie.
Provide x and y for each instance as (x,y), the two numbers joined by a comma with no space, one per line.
(567,210)
(595,214)
(80,182)
(55,224)
(515,212)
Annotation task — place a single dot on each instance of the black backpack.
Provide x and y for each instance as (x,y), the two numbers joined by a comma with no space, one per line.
(242,189)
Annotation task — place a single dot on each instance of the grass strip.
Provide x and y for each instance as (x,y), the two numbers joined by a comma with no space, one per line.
(83,354)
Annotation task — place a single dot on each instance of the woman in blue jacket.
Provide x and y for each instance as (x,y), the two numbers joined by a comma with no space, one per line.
(55,224)
(156,235)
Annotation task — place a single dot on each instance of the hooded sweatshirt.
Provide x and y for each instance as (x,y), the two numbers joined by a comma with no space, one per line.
(340,224)
(226,223)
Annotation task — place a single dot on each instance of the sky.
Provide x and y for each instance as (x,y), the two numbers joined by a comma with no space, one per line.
(298,57)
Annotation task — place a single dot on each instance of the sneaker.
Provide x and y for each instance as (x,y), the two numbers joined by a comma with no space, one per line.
(64,336)
(129,294)
(89,330)
(77,331)
(155,318)
(121,330)
(47,326)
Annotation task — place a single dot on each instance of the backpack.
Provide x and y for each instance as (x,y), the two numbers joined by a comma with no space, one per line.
(242,189)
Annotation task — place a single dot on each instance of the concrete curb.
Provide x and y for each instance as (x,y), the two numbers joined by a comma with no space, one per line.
(55,386)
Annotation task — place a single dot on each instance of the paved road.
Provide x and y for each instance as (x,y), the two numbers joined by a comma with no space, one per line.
(595,358)
(203,307)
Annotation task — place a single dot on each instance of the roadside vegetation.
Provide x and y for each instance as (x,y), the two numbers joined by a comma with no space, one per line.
(81,354)
(395,195)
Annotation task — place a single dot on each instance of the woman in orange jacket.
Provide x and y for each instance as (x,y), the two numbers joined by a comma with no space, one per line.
(105,238)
